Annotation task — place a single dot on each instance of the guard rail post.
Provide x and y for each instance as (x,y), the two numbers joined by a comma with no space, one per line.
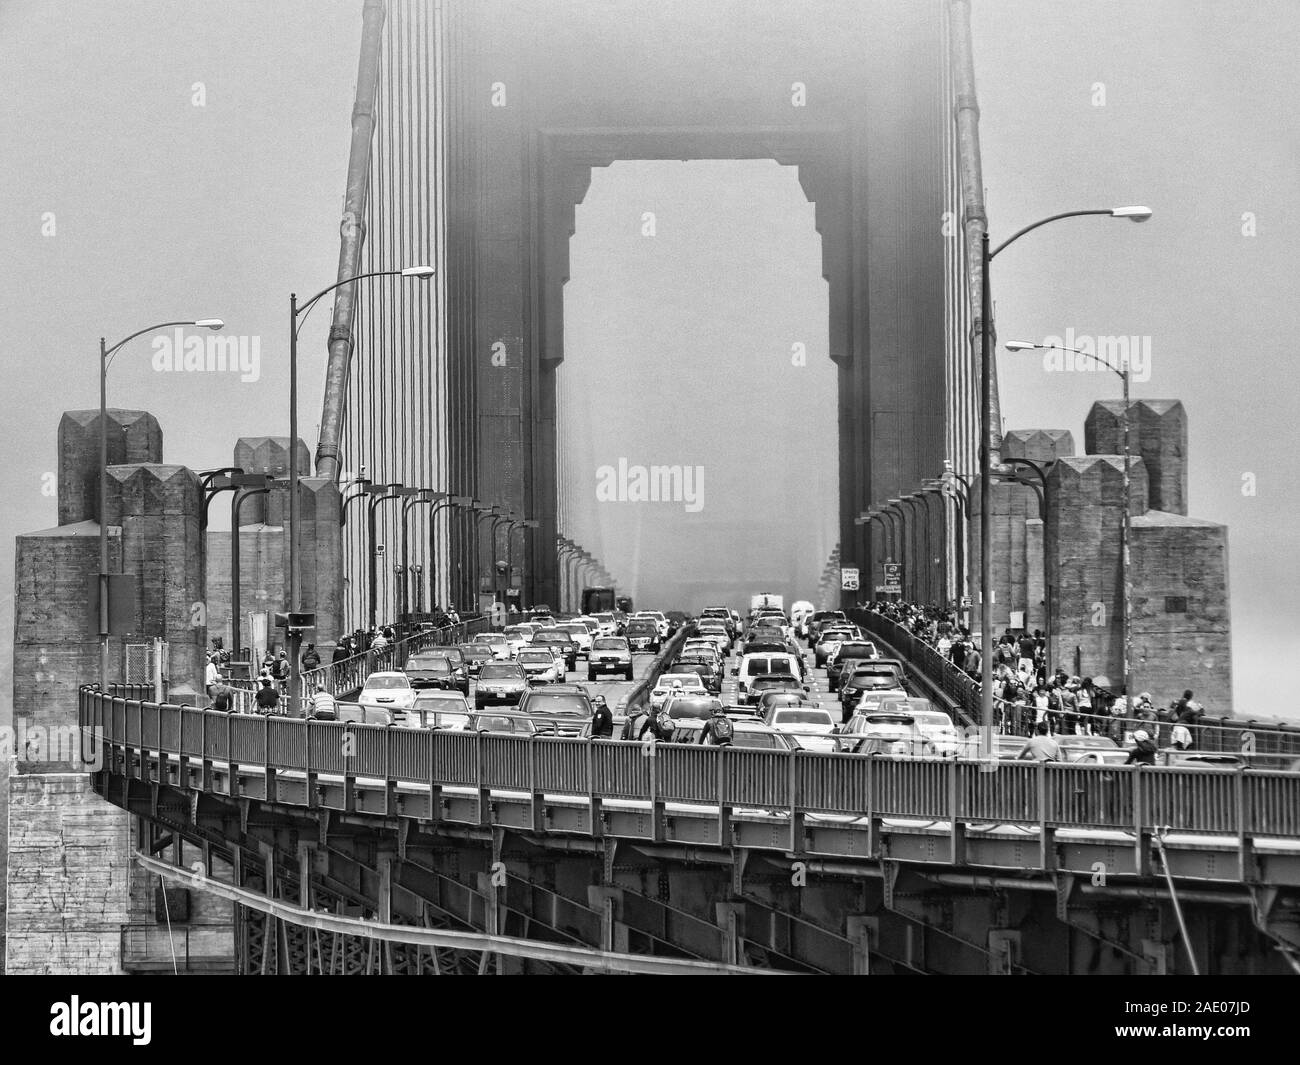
(875,824)
(724,810)
(484,793)
(313,800)
(797,840)
(1142,838)
(435,789)
(656,803)
(1046,828)
(349,770)
(390,784)
(232,781)
(535,807)
(269,779)
(596,819)
(956,827)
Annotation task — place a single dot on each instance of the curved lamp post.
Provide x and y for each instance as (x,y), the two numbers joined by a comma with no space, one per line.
(1135,214)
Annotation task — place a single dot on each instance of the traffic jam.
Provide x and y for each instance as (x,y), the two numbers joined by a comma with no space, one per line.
(802,679)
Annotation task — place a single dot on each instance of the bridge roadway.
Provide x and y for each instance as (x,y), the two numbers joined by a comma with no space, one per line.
(920,830)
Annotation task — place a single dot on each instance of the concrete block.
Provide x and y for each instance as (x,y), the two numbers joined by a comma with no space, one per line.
(268,454)
(1038,445)
(133,436)
(1157,432)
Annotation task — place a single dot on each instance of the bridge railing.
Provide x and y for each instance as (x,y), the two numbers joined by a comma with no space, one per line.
(1240,802)
(1223,735)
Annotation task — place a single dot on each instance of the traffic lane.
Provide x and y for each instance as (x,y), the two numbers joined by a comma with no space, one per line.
(613,687)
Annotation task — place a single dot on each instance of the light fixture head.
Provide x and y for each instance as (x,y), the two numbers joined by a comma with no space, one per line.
(210,323)
(422,272)
(1135,214)
(1021,345)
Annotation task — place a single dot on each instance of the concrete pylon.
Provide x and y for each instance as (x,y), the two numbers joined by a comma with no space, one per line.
(133,436)
(1157,432)
(268,454)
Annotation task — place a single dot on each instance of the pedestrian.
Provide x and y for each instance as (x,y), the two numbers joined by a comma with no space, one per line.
(268,699)
(1144,750)
(1028,649)
(324,707)
(602,721)
(1041,747)
(310,658)
(718,730)
(341,651)
(211,675)
(223,698)
(1069,706)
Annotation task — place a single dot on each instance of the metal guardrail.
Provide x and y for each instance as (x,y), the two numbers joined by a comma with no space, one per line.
(349,674)
(1218,735)
(1245,802)
(640,693)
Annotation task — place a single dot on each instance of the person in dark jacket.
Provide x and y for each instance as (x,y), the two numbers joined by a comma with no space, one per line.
(268,699)
(310,657)
(602,721)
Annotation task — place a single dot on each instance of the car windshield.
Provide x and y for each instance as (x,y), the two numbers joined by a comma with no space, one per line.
(774,680)
(432,664)
(1089,741)
(641,627)
(609,643)
(889,719)
(803,717)
(500,671)
(851,650)
(387,682)
(501,723)
(558,703)
(441,702)
(517,630)
(544,657)
(489,638)
(575,628)
(477,654)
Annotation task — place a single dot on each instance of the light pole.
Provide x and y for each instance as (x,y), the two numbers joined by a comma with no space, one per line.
(244,485)
(105,359)
(422,495)
(1136,214)
(458,503)
(297,316)
(379,493)
(1126,527)
(481,511)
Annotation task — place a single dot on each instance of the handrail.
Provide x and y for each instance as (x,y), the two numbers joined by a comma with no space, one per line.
(1196,800)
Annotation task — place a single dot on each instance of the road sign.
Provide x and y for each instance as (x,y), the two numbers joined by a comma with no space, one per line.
(893,570)
(848,578)
(965,601)
(882,588)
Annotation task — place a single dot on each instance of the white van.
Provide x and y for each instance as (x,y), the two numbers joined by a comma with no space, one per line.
(759,665)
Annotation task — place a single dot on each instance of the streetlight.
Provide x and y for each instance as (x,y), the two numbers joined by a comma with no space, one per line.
(1133,213)
(379,493)
(105,359)
(298,315)
(1126,529)
(421,495)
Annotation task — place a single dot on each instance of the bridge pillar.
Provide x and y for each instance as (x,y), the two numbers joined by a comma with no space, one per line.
(730,917)
(864,932)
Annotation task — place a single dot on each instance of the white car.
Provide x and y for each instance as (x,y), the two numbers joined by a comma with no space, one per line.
(811,728)
(697,643)
(496,643)
(392,691)
(608,626)
(672,682)
(581,636)
(518,636)
(540,665)
(942,734)
(437,709)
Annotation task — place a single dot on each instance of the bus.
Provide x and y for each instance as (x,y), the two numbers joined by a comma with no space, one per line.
(598,600)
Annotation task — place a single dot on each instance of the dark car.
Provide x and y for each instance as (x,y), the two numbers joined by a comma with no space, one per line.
(497,723)
(864,679)
(845,667)
(558,638)
(557,713)
(500,682)
(430,670)
(689,712)
(475,654)
(783,697)
(643,635)
(819,620)
(768,682)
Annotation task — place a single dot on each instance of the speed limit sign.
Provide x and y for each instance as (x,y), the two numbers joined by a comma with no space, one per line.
(849,579)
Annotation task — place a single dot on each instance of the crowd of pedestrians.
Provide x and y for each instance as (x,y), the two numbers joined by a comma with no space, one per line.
(1029,702)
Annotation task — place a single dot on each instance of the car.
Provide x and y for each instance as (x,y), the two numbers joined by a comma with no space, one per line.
(857,677)
(827,640)
(715,637)
(754,735)
(540,666)
(756,665)
(718,613)
(608,625)
(363,714)
(939,731)
(643,635)
(708,671)
(519,636)
(392,691)
(690,710)
(811,727)
(1198,759)
(557,713)
(432,669)
(844,666)
(1092,750)
(658,617)
(874,699)
(800,614)
(580,634)
(820,619)
(884,732)
(561,642)
(475,654)
(781,682)
(774,697)
(850,649)
(501,724)
(669,682)
(496,643)
(609,654)
(437,709)
(500,683)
